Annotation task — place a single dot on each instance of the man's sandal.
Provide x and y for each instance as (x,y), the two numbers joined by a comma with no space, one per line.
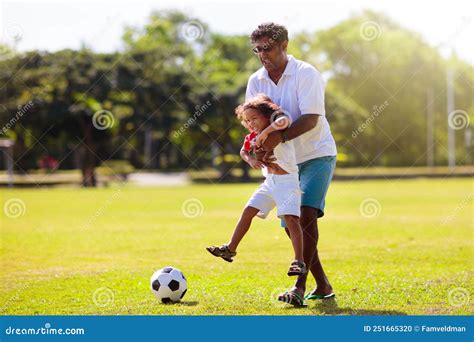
(297,268)
(312,296)
(292,297)
(222,252)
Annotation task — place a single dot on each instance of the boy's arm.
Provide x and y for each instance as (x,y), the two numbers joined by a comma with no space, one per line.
(253,162)
(245,155)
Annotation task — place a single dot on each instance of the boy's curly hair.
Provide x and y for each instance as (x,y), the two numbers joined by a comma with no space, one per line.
(260,102)
(276,33)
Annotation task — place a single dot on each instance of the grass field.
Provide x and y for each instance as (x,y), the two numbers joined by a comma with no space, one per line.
(92,251)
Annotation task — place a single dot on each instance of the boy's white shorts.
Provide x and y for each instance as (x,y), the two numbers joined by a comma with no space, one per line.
(282,191)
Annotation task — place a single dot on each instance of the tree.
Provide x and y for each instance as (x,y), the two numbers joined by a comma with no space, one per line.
(221,75)
(370,61)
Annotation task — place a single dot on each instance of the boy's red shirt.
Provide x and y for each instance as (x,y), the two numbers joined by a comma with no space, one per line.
(247,146)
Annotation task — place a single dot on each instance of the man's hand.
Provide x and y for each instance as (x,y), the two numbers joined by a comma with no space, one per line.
(264,156)
(272,141)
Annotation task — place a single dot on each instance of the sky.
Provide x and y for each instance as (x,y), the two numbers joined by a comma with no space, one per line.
(53,25)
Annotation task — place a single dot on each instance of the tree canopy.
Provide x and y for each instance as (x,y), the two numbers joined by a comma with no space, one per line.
(166,101)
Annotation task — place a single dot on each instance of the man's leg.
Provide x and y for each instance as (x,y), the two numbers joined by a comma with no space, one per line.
(295,234)
(308,221)
(310,240)
(315,178)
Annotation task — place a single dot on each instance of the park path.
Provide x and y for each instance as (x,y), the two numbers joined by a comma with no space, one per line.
(159,179)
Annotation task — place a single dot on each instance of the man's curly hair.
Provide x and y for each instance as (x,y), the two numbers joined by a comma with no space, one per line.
(275,32)
(263,104)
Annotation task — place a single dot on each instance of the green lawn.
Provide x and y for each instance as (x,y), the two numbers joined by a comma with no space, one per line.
(71,243)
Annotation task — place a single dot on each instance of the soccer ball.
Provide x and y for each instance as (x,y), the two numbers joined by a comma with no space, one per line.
(168,285)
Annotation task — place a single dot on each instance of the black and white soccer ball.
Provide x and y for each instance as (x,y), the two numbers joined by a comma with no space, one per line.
(169,285)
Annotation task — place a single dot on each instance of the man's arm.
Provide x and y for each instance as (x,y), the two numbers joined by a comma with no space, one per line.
(304,124)
(279,124)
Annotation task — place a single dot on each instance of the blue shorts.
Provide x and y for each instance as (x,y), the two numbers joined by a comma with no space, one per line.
(315,176)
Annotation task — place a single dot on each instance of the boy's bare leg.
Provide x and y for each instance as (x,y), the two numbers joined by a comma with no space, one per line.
(242,227)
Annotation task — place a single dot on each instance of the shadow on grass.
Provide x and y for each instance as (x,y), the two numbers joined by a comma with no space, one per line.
(330,307)
(190,303)
(182,303)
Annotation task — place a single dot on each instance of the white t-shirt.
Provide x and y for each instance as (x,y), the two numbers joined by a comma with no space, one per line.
(300,91)
(286,156)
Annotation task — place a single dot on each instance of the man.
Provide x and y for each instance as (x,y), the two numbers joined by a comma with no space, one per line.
(298,88)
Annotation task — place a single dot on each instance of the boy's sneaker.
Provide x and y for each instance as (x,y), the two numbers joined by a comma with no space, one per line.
(222,251)
(297,268)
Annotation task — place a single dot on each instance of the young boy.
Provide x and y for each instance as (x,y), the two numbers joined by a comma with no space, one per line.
(281,186)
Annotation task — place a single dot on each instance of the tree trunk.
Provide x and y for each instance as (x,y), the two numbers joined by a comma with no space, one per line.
(226,167)
(88,160)
(20,149)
